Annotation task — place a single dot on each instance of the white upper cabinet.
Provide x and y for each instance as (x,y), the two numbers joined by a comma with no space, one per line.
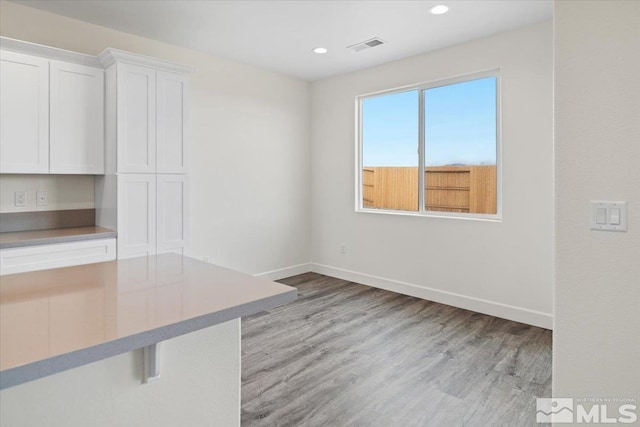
(24,113)
(52,110)
(77,117)
(147,102)
(172,95)
(136,119)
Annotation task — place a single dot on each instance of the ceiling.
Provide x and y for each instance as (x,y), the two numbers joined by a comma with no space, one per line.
(280,35)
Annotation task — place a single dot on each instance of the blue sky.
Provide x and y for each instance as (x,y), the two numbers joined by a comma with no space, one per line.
(460,126)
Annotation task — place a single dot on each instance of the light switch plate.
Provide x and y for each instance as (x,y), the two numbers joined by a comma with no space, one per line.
(615,216)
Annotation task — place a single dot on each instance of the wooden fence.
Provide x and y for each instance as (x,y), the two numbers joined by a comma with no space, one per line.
(448,188)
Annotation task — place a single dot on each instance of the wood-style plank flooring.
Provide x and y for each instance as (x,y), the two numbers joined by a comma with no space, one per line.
(345,354)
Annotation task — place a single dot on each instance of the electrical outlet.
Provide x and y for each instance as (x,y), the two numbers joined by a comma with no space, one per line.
(42,198)
(206,258)
(20,198)
(343,248)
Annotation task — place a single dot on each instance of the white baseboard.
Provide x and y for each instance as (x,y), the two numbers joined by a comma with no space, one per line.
(505,311)
(282,273)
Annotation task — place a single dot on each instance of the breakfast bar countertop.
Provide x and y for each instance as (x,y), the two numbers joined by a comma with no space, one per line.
(58,319)
(18,239)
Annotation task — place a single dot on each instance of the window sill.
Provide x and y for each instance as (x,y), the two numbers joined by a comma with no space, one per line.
(435,214)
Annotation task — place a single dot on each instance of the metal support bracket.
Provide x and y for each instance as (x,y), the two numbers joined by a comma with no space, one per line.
(151,362)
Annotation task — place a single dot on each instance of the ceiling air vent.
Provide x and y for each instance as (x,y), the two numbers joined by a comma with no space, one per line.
(366,44)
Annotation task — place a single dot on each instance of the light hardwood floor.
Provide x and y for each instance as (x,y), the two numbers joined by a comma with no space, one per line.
(345,354)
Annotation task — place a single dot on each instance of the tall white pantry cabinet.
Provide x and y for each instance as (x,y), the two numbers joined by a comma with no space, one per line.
(144,193)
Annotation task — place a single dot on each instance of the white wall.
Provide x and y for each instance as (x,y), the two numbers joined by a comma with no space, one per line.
(249,146)
(502,268)
(596,349)
(64,192)
(199,385)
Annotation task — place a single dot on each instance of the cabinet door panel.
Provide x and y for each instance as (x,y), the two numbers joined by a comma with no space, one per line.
(173,202)
(172,103)
(77,116)
(136,215)
(136,105)
(24,113)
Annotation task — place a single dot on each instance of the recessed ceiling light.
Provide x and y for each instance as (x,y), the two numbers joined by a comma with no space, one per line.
(320,50)
(439,9)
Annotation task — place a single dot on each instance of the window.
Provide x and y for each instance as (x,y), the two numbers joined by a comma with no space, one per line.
(447,129)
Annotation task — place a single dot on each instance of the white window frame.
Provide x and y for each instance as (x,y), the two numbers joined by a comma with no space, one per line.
(421,87)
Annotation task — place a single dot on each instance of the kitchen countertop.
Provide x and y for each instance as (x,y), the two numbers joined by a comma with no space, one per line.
(18,239)
(59,319)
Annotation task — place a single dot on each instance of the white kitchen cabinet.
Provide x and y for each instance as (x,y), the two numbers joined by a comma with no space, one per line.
(51,112)
(136,118)
(42,257)
(172,100)
(172,210)
(136,215)
(147,103)
(152,214)
(77,117)
(24,113)
(146,149)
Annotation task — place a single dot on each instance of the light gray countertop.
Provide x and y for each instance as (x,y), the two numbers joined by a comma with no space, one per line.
(122,305)
(19,239)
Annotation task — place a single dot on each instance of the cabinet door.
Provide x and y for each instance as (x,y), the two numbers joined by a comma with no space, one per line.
(173,203)
(24,113)
(172,91)
(136,117)
(77,115)
(136,215)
